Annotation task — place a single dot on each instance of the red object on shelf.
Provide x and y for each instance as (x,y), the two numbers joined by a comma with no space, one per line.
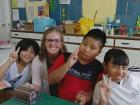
(137,28)
(123,30)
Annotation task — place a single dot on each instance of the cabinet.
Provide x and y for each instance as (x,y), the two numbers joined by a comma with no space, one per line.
(72,42)
(109,44)
(16,36)
(131,45)
(125,43)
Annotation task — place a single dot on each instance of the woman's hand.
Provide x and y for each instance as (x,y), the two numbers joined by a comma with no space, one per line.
(73,58)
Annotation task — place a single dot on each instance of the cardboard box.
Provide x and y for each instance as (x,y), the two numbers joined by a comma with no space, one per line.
(26,94)
(28,26)
(69,28)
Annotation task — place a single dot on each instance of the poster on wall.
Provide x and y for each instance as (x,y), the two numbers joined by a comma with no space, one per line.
(21,3)
(34,9)
(64,1)
(35,0)
(14,4)
(15,14)
(30,14)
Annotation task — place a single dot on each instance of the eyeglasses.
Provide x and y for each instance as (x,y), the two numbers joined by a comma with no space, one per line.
(53,40)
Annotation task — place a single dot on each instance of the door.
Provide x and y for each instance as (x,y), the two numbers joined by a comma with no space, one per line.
(4,19)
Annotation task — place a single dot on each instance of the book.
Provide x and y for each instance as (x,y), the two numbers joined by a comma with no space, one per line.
(4,84)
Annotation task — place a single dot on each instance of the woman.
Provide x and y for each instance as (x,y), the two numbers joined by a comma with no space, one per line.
(52,47)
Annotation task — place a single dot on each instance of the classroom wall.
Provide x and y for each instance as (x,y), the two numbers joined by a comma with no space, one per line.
(72,11)
(83,8)
(86,8)
(128,17)
(104,8)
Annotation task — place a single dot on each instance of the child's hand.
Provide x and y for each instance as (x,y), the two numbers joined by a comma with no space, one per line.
(105,92)
(81,98)
(14,56)
(73,58)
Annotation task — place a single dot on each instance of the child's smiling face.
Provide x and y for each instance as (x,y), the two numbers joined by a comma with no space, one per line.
(27,55)
(116,72)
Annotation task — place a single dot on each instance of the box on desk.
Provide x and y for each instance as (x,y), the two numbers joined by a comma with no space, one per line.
(26,94)
(69,28)
(28,26)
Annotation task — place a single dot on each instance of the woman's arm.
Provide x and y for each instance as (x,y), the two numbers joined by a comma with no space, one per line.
(36,73)
(57,75)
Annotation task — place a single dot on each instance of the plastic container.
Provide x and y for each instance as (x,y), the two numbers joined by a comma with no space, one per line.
(41,23)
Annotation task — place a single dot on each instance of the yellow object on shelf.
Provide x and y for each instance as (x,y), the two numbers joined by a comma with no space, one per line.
(85,25)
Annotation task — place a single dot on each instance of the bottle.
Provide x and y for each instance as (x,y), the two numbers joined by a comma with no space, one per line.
(18,25)
(130,32)
(112,31)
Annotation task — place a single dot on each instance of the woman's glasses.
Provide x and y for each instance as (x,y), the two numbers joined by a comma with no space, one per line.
(53,40)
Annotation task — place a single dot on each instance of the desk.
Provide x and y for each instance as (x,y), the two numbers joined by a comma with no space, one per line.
(44,100)
(5,95)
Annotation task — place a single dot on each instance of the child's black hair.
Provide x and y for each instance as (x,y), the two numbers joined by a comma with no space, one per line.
(117,56)
(98,35)
(24,44)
